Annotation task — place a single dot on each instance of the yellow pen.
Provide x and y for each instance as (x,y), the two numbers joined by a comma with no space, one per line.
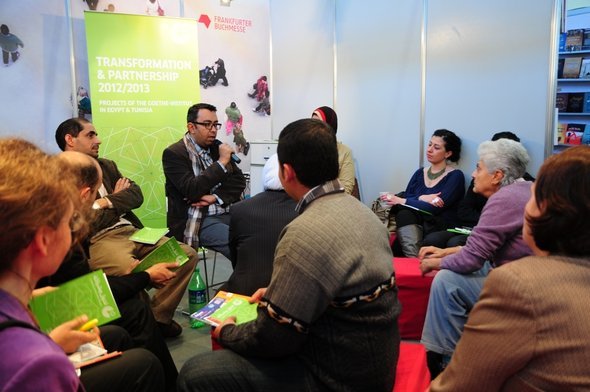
(89,325)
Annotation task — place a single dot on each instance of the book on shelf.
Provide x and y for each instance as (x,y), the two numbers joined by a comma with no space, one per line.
(224,305)
(573,134)
(149,235)
(169,252)
(574,39)
(586,42)
(561,102)
(562,39)
(586,136)
(575,102)
(586,108)
(559,136)
(560,64)
(91,353)
(571,67)
(585,69)
(89,294)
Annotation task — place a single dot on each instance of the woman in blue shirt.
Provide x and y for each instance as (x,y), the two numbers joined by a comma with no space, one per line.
(430,200)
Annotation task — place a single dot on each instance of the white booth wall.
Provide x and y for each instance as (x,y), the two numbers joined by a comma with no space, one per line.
(487,68)
(481,68)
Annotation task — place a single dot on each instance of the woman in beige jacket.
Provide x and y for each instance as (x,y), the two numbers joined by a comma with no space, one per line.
(529,329)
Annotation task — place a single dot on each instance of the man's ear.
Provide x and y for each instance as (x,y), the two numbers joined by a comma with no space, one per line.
(69,140)
(85,193)
(288,172)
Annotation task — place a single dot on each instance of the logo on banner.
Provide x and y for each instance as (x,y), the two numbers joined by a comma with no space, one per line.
(204,19)
(236,25)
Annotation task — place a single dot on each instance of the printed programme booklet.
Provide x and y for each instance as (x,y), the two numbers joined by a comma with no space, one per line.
(91,353)
(89,294)
(149,235)
(169,252)
(224,305)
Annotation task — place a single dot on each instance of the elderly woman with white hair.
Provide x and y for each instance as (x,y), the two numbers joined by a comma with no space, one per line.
(255,225)
(496,240)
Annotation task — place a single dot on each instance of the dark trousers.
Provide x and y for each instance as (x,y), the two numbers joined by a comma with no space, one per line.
(135,370)
(5,54)
(138,320)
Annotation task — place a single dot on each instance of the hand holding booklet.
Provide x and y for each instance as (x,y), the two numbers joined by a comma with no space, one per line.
(225,305)
(169,252)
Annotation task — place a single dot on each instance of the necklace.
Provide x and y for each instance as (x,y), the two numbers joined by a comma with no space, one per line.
(433,176)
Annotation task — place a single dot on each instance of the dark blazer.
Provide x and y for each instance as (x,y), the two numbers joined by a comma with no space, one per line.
(123,202)
(183,188)
(253,234)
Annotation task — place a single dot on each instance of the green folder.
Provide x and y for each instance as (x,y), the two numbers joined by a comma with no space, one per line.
(89,294)
(149,235)
(224,305)
(169,252)
(459,230)
(415,208)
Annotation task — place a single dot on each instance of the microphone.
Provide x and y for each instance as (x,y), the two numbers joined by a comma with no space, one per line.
(234,157)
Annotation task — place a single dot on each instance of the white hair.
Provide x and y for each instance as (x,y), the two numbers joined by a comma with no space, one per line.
(505,155)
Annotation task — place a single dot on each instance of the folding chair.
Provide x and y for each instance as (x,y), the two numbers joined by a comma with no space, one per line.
(208,284)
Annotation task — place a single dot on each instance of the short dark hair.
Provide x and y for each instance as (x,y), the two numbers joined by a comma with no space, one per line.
(86,174)
(72,126)
(561,194)
(193,111)
(309,146)
(452,143)
(4,29)
(505,135)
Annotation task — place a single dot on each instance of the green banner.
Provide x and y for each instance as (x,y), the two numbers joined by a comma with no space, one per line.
(144,75)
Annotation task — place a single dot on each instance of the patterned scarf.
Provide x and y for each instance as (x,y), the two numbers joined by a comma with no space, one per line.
(195,215)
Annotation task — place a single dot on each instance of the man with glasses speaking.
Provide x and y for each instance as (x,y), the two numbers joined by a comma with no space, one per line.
(202,181)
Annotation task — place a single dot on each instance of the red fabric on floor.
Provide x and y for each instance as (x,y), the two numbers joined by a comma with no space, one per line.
(413,292)
(412,373)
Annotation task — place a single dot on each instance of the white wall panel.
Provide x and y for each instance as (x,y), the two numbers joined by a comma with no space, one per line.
(488,66)
(302,59)
(378,90)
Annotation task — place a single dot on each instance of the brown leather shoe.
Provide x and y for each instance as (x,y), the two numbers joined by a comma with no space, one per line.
(171,330)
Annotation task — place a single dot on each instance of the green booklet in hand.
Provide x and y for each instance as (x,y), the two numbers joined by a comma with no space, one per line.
(149,235)
(169,252)
(89,294)
(224,305)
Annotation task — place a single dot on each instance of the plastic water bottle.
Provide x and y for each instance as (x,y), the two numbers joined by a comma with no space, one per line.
(197,297)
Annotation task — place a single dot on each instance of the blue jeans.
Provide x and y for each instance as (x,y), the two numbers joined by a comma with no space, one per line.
(224,370)
(452,296)
(214,233)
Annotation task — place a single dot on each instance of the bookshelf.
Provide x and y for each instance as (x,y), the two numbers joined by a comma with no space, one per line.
(573,97)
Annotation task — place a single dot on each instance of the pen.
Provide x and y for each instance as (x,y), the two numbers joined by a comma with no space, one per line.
(89,325)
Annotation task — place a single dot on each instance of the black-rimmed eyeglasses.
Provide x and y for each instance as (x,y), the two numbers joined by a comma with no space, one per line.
(208,125)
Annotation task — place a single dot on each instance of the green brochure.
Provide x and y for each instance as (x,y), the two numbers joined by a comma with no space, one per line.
(224,305)
(169,252)
(149,235)
(89,294)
